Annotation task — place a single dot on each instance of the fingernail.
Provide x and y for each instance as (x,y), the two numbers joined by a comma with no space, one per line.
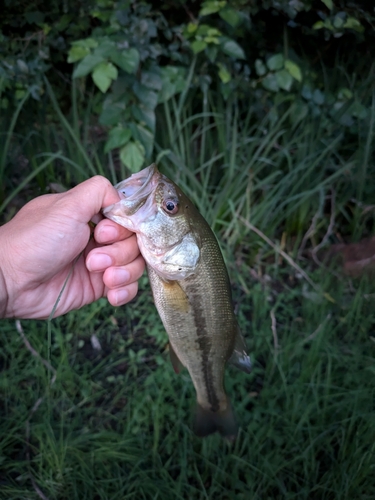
(121,296)
(107,233)
(99,262)
(122,276)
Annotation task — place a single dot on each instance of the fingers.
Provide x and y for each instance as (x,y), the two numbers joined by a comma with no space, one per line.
(119,253)
(108,232)
(118,277)
(122,282)
(121,296)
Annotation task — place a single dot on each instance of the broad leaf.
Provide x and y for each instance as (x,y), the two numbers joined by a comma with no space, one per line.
(76,53)
(284,79)
(260,68)
(132,155)
(117,137)
(231,16)
(224,74)
(197,46)
(211,6)
(87,65)
(232,49)
(128,60)
(275,62)
(328,4)
(269,82)
(294,70)
(147,97)
(144,136)
(103,75)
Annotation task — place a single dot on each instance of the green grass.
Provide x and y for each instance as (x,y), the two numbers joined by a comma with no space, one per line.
(116,424)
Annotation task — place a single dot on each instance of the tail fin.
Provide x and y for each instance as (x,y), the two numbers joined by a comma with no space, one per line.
(206,422)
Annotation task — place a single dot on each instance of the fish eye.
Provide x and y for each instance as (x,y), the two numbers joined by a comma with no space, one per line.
(170,206)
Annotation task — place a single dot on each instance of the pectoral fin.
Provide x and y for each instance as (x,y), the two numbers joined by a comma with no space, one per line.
(239,357)
(176,363)
(175,296)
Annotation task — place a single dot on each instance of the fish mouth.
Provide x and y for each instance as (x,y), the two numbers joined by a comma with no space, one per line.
(135,192)
(139,185)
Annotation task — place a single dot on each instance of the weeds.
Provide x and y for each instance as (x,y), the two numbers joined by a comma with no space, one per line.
(115,424)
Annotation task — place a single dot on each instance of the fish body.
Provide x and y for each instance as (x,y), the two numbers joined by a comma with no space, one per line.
(191,289)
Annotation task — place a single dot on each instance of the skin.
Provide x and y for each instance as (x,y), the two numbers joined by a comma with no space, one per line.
(39,245)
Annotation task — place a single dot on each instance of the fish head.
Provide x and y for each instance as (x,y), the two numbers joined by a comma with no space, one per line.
(161,215)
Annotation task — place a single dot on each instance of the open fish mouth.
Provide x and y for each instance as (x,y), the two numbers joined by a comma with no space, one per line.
(138,185)
(136,198)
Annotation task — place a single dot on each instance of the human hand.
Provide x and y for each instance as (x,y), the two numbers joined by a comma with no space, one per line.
(40,244)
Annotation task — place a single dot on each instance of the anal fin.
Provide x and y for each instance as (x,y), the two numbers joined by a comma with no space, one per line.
(176,363)
(239,357)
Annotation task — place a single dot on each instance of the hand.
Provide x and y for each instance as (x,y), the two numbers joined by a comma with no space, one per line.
(40,244)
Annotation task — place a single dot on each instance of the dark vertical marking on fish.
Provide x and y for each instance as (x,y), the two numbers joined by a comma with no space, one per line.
(205,344)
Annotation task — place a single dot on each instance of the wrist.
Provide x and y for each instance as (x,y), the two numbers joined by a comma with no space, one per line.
(3,295)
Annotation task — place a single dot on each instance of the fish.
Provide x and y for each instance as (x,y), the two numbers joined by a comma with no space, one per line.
(191,290)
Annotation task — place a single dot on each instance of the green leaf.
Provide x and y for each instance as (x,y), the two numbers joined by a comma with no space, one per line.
(270,83)
(211,6)
(284,79)
(35,17)
(211,52)
(260,68)
(22,66)
(232,49)
(145,137)
(318,97)
(151,78)
(328,4)
(318,25)
(147,97)
(105,49)
(117,137)
(197,46)
(354,24)
(132,155)
(88,43)
(112,113)
(224,74)
(86,65)
(76,53)
(231,16)
(275,62)
(128,60)
(294,70)
(144,115)
(103,75)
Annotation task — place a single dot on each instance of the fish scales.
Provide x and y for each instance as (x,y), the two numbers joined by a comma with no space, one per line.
(190,287)
(196,335)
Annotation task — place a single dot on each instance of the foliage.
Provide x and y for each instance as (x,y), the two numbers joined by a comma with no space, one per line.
(140,55)
(116,422)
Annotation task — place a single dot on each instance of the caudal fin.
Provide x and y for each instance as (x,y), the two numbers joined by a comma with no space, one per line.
(207,422)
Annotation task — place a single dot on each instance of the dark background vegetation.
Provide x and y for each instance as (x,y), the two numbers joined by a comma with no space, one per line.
(263,112)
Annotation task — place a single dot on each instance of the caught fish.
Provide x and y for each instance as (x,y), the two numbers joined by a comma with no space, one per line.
(191,290)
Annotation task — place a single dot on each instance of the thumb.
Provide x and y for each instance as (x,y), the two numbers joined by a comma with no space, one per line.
(89,197)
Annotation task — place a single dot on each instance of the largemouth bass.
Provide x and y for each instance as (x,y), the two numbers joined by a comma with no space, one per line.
(191,289)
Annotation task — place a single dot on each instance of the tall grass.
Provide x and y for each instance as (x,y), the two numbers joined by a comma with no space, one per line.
(115,424)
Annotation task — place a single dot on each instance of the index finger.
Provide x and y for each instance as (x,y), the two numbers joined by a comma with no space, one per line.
(108,231)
